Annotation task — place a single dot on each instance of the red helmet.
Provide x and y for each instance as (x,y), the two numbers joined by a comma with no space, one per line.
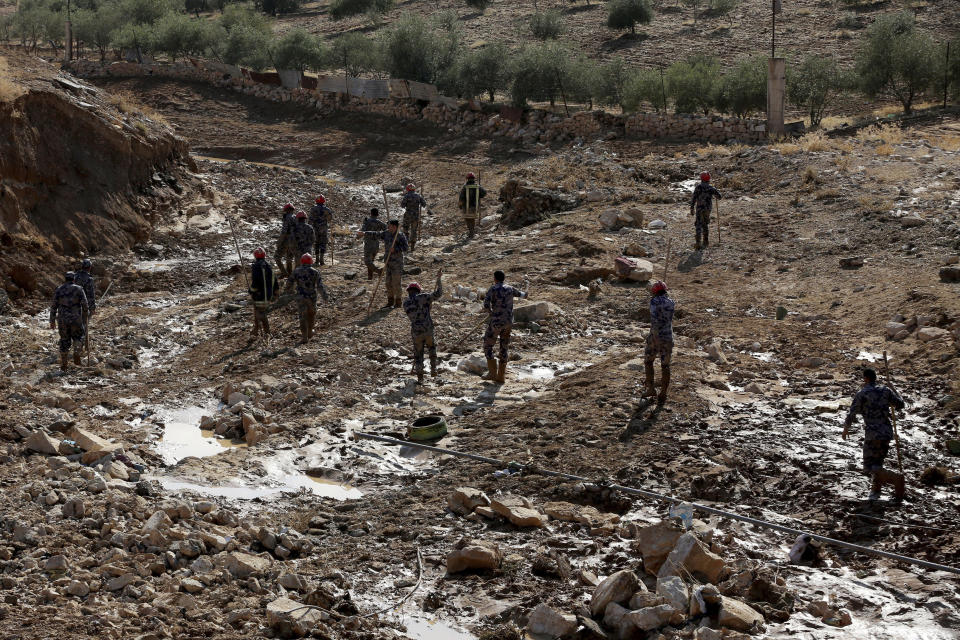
(320,200)
(306,259)
(301,214)
(288,207)
(470,176)
(705,176)
(658,287)
(259,253)
(414,286)
(410,187)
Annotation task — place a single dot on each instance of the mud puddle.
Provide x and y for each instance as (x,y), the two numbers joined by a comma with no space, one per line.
(423,629)
(182,436)
(288,483)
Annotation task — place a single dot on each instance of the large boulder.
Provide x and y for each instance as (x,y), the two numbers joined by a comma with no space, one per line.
(473,554)
(738,615)
(674,590)
(929,334)
(534,311)
(244,565)
(691,556)
(653,617)
(655,542)
(42,442)
(524,204)
(617,588)
(545,621)
(633,269)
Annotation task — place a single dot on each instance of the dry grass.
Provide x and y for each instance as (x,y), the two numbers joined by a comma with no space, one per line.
(949,142)
(884,149)
(9,90)
(842,162)
(874,204)
(816,141)
(886,133)
(827,194)
(720,151)
(891,173)
(810,175)
(787,148)
(127,103)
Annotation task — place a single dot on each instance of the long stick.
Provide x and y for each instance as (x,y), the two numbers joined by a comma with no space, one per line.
(236,243)
(659,496)
(386,210)
(86,339)
(468,333)
(893,413)
(718,223)
(666,263)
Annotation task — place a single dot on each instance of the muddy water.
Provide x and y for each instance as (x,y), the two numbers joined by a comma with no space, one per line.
(236,489)
(423,629)
(182,436)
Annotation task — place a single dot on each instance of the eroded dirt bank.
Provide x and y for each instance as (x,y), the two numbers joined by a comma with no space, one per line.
(201,537)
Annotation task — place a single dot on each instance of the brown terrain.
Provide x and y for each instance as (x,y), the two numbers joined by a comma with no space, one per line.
(147,526)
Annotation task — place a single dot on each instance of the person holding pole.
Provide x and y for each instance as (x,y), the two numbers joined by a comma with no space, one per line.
(264,288)
(417,305)
(498,302)
(470,195)
(874,402)
(371,241)
(396,245)
(700,204)
(320,218)
(659,341)
(68,313)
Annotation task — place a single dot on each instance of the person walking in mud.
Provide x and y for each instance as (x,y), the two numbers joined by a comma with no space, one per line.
(498,302)
(84,280)
(469,200)
(659,341)
(413,204)
(417,305)
(303,234)
(395,245)
(307,281)
(283,256)
(874,402)
(321,216)
(68,312)
(701,204)
(264,288)
(371,241)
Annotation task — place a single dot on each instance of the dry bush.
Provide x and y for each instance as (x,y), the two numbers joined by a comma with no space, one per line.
(815,141)
(886,133)
(884,149)
(810,175)
(892,173)
(127,103)
(947,142)
(842,162)
(874,204)
(720,151)
(787,148)
(827,194)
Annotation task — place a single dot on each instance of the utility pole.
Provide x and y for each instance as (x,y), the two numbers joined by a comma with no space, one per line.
(946,71)
(68,49)
(776,79)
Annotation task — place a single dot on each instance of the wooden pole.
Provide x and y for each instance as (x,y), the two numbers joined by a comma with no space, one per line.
(893,413)
(471,330)
(236,243)
(718,223)
(666,263)
(386,210)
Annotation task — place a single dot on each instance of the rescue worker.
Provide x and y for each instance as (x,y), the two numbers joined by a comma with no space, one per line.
(417,305)
(264,288)
(412,203)
(308,283)
(285,244)
(84,280)
(498,302)
(303,234)
(659,341)
(321,216)
(873,402)
(68,312)
(700,205)
(470,195)
(392,258)
(371,241)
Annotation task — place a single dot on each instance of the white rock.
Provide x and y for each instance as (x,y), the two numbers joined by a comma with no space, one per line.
(657,224)
(474,363)
(929,334)
(41,442)
(674,590)
(893,328)
(651,617)
(548,622)
(78,589)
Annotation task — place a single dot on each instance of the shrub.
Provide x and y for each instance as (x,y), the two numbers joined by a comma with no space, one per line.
(177,34)
(547,25)
(897,59)
(238,14)
(693,84)
(626,14)
(482,71)
(94,27)
(479,5)
(612,79)
(138,37)
(420,49)
(276,7)
(813,85)
(646,86)
(743,89)
(340,9)
(297,50)
(147,11)
(248,46)
(354,53)
(953,68)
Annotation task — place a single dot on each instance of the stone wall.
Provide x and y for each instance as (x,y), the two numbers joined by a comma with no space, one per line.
(527,127)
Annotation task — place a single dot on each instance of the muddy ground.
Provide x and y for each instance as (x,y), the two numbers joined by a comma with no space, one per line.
(752,424)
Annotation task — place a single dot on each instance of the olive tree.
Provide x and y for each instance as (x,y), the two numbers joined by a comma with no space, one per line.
(627,14)
(813,85)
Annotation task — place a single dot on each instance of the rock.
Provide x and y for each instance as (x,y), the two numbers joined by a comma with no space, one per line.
(893,328)
(121,581)
(244,565)
(655,542)
(73,508)
(643,599)
(657,224)
(715,352)
(634,250)
(56,563)
(159,521)
(464,500)
(633,269)
(473,554)
(690,555)
(255,435)
(950,274)
(548,622)
(116,469)
(617,588)
(753,387)
(92,443)
(908,222)
(518,511)
(929,334)
(613,615)
(652,617)
(534,312)
(41,442)
(674,591)
(78,589)
(474,363)
(812,362)
(294,582)
(852,262)
(737,615)
(290,619)
(191,586)
(236,397)
(706,633)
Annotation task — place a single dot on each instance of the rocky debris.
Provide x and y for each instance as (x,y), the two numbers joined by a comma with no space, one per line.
(583,275)
(738,615)
(549,622)
(675,592)
(292,619)
(655,542)
(616,589)
(614,220)
(473,554)
(831,615)
(42,442)
(950,274)
(929,334)
(464,500)
(518,510)
(473,363)
(633,269)
(525,204)
(911,221)
(598,522)
(690,555)
(851,262)
(534,311)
